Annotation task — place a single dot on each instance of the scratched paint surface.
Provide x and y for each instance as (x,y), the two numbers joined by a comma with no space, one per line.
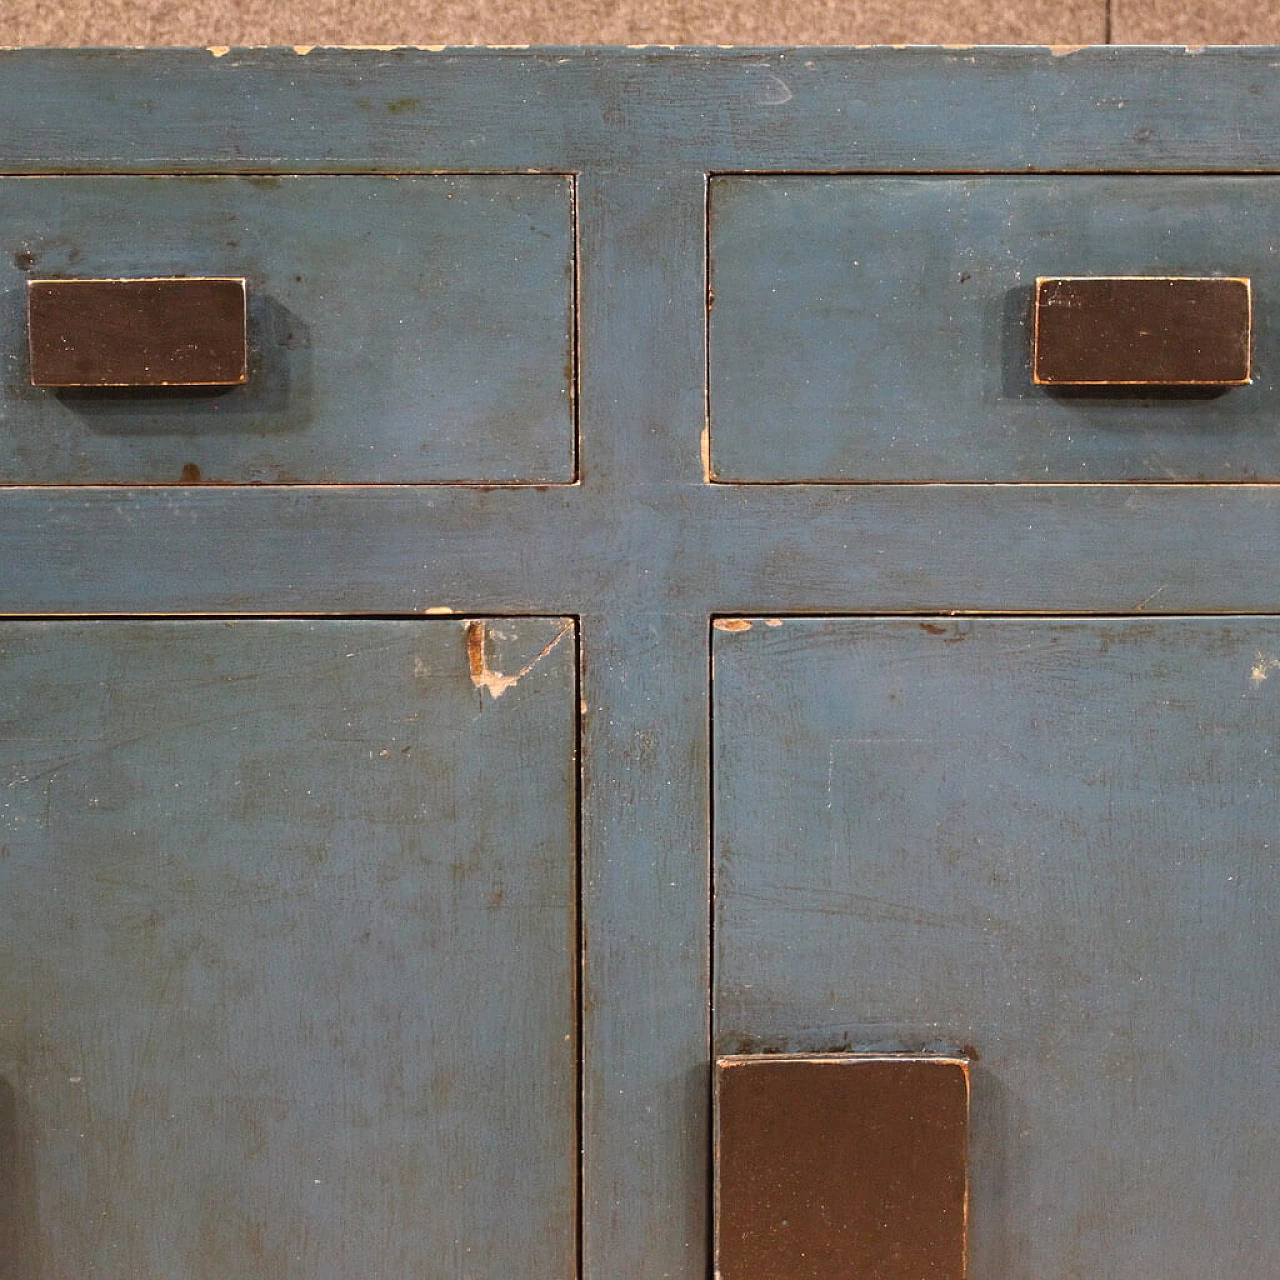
(879,329)
(401,329)
(287,921)
(1052,843)
(643,550)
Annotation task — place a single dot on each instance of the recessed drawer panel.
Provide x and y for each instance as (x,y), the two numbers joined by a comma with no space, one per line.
(399,330)
(1047,845)
(288,948)
(882,329)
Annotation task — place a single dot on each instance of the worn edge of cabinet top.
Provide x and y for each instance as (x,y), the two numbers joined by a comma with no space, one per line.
(1008,108)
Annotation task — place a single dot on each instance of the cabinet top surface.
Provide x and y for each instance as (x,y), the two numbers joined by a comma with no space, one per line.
(1016,109)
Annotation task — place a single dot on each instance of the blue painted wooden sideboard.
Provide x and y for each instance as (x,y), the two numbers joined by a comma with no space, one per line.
(639,608)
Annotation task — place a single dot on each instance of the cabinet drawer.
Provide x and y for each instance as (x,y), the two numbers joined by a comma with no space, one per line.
(288,948)
(1047,844)
(879,329)
(400,329)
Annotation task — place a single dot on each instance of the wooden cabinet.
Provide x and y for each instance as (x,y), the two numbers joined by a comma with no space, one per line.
(639,609)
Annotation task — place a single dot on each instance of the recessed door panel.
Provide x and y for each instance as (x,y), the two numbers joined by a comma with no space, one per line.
(1046,845)
(287,948)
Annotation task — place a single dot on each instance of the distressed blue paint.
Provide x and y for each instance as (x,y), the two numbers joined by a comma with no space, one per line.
(742,549)
(288,949)
(401,329)
(645,961)
(561,110)
(1052,840)
(879,329)
(643,550)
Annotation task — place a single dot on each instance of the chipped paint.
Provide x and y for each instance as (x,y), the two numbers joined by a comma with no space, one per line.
(732,624)
(773,622)
(494,681)
(704,446)
(438,608)
(305,49)
(219,50)
(1264,664)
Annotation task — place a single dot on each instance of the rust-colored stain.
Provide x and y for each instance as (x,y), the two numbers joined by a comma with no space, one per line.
(475,650)
(955,631)
(190,474)
(496,682)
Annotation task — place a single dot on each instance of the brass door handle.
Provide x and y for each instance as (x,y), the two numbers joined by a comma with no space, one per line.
(153,332)
(1167,331)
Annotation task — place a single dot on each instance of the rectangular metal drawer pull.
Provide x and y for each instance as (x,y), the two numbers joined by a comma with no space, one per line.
(841,1165)
(166,332)
(1166,331)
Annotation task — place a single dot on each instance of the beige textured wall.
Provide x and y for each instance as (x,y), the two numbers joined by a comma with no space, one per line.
(239,22)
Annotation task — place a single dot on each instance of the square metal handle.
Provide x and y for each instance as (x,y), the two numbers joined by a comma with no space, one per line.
(841,1166)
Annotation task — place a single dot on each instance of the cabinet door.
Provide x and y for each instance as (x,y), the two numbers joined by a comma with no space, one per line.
(1048,845)
(288,949)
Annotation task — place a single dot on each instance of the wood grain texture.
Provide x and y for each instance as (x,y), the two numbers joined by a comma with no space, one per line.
(288,950)
(404,110)
(646,1100)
